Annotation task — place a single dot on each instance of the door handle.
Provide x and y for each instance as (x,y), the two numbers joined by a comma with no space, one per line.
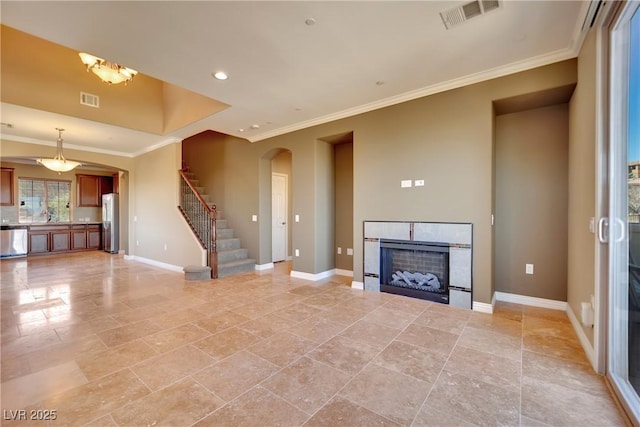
(622,226)
(283,223)
(603,223)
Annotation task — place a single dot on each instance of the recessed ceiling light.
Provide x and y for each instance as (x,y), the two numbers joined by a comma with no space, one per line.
(220,75)
(255,126)
(310,21)
(379,83)
(240,130)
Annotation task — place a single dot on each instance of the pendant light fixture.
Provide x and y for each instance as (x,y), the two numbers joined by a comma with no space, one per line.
(59,163)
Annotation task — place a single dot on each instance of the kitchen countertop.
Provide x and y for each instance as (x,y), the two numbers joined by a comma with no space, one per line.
(13,226)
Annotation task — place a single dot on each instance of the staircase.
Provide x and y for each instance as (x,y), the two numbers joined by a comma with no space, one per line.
(232,258)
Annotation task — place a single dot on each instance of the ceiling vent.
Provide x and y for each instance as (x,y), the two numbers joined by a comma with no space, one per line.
(463,13)
(89,100)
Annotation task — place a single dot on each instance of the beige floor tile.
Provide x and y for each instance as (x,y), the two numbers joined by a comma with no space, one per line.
(23,345)
(307,384)
(544,313)
(391,318)
(317,329)
(265,326)
(67,310)
(160,371)
(297,312)
(492,343)
(340,411)
(282,348)
(225,343)
(429,417)
(221,321)
(474,401)
(563,372)
(371,333)
(345,354)
(391,394)
(508,310)
(554,346)
(171,339)
(176,318)
(441,321)
(106,362)
(180,404)
(429,338)
(257,407)
(31,389)
(235,375)
(557,405)
(127,333)
(96,399)
(485,367)
(496,324)
(411,360)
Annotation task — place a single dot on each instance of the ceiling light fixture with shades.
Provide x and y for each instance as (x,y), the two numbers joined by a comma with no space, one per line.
(59,163)
(108,72)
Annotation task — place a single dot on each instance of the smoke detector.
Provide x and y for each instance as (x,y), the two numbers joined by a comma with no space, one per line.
(463,13)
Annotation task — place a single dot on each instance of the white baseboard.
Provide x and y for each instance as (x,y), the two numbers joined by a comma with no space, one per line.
(483,307)
(586,345)
(357,285)
(340,272)
(533,301)
(311,276)
(266,266)
(155,263)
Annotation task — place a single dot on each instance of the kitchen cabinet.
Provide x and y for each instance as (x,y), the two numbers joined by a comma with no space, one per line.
(59,238)
(6,187)
(91,188)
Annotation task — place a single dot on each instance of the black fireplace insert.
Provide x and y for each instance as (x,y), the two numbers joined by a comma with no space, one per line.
(415,269)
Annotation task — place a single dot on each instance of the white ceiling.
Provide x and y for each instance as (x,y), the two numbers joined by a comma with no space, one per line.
(285,74)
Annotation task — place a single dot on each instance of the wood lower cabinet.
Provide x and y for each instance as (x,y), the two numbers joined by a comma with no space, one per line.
(45,239)
(38,242)
(94,236)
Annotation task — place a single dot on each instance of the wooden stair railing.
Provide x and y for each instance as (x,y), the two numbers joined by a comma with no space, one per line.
(201,218)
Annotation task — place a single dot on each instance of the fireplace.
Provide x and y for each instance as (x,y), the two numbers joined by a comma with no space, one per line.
(445,250)
(416,269)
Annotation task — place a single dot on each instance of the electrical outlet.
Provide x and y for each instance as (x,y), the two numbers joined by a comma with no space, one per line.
(165,246)
(297,218)
(528,269)
(297,252)
(137,242)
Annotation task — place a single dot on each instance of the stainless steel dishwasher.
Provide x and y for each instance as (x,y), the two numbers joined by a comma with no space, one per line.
(13,241)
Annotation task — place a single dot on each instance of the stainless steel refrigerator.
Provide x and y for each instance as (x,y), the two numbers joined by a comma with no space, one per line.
(110,228)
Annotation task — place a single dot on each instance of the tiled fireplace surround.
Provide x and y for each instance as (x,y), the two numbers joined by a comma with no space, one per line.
(457,235)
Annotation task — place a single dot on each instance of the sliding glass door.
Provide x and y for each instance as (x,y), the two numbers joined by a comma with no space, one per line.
(623,355)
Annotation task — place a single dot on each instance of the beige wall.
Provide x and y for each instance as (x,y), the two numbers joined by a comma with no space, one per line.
(582,182)
(158,221)
(344,204)
(531,202)
(446,139)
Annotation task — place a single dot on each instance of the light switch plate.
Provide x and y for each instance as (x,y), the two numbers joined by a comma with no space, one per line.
(405,183)
(297,218)
(528,269)
(349,251)
(419,183)
(254,218)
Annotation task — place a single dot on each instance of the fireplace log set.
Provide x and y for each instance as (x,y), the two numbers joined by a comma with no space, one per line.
(428,282)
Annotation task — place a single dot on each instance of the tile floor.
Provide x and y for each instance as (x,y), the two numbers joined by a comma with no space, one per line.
(98,340)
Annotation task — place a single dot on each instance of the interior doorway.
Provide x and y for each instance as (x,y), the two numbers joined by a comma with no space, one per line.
(281,206)
(279,202)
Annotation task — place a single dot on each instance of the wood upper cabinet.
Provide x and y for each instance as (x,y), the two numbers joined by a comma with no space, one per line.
(6,187)
(91,188)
